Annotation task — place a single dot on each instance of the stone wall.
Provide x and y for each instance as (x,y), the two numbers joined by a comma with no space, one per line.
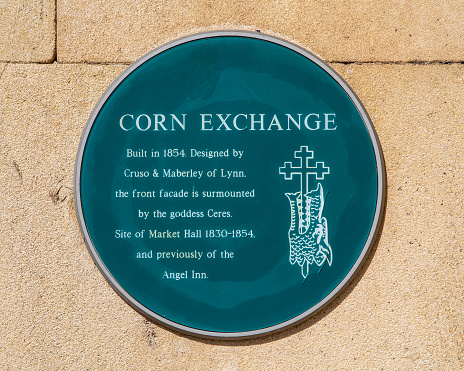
(403,311)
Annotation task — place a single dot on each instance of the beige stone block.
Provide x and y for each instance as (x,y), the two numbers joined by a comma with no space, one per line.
(27,31)
(342,30)
(403,312)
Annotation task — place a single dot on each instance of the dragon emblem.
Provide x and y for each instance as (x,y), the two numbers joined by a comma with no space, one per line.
(308,233)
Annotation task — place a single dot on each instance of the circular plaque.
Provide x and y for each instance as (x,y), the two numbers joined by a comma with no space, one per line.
(229,184)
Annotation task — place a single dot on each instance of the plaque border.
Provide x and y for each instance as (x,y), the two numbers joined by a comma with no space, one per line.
(373,236)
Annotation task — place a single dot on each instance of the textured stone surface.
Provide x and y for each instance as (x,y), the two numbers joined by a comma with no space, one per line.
(397,30)
(27,30)
(404,312)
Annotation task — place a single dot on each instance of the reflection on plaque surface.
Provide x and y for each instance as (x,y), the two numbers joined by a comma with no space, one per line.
(229,184)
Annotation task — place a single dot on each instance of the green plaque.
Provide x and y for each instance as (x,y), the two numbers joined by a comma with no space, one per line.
(229,184)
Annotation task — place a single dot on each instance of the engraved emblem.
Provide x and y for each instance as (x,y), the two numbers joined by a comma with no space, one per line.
(308,233)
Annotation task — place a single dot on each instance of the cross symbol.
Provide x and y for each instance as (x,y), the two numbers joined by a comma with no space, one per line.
(304,169)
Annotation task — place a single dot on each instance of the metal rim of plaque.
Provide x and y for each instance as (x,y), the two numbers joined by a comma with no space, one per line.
(375,226)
